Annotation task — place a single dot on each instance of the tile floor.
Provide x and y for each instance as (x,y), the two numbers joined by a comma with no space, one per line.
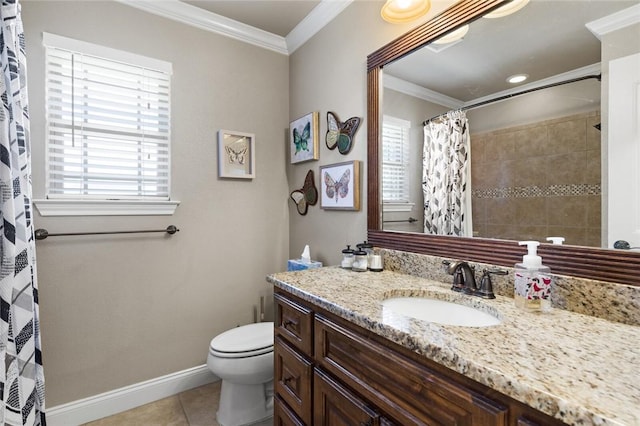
(195,407)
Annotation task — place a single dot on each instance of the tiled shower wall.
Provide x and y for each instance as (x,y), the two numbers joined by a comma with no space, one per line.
(539,180)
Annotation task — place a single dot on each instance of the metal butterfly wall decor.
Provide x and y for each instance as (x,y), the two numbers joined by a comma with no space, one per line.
(341,134)
(306,196)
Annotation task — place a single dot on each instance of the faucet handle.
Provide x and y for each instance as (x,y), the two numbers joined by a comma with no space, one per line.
(458,277)
(486,287)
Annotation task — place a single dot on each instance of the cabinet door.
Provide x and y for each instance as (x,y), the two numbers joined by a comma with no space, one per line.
(409,392)
(292,379)
(336,406)
(283,416)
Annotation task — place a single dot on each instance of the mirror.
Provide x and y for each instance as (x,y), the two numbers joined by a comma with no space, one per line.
(496,251)
(535,166)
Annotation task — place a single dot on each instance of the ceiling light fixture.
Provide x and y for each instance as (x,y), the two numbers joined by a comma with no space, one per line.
(453,36)
(400,11)
(507,9)
(517,78)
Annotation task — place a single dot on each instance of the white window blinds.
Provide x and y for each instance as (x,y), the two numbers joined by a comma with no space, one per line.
(395,160)
(108,122)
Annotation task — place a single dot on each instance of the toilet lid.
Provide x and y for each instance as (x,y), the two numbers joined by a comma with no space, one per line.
(244,341)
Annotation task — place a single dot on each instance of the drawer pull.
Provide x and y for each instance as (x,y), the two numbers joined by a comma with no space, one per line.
(287,379)
(288,324)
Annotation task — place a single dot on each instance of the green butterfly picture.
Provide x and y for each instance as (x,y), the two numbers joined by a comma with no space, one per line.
(341,134)
(303,138)
(307,195)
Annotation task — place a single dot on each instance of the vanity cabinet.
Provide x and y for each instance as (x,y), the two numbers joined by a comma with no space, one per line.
(330,372)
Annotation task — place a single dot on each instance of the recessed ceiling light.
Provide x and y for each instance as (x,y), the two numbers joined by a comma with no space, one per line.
(399,11)
(507,9)
(453,36)
(518,78)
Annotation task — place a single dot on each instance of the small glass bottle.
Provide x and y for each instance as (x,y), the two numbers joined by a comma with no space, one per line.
(360,262)
(347,258)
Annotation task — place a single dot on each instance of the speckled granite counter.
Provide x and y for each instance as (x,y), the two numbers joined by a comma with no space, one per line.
(577,368)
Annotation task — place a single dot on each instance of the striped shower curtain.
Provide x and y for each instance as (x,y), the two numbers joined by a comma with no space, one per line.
(21,374)
(445,174)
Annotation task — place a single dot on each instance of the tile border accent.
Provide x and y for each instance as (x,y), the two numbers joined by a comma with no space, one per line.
(128,397)
(539,191)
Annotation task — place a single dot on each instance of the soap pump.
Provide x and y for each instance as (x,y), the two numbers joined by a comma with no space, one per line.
(532,281)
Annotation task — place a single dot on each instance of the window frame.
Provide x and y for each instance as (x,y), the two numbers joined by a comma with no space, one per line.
(400,204)
(90,205)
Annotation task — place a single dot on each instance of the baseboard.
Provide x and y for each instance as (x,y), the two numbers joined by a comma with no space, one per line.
(128,397)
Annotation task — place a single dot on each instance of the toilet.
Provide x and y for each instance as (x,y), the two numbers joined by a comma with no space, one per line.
(243,358)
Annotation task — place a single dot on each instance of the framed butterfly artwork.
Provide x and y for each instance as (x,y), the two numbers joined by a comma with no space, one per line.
(304,134)
(340,186)
(236,155)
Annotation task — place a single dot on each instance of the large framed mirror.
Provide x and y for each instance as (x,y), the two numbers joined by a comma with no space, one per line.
(573,259)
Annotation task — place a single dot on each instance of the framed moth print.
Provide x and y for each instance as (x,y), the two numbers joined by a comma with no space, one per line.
(304,134)
(340,185)
(236,155)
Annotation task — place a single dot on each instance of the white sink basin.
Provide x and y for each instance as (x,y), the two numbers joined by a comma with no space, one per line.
(439,311)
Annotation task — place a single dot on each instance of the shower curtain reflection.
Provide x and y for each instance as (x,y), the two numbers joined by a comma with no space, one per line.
(445,176)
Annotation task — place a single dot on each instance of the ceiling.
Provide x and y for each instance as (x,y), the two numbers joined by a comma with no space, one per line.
(544,39)
(277,17)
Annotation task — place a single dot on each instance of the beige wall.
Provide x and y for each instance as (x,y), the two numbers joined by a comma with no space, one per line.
(328,73)
(117,310)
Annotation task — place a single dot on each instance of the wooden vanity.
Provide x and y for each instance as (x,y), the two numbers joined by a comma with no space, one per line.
(336,365)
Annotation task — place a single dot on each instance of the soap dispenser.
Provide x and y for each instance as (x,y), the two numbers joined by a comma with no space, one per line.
(532,281)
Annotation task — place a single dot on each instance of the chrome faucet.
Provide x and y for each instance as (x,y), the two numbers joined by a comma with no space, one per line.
(464,279)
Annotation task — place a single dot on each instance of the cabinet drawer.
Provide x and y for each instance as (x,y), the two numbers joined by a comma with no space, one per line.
(409,392)
(293,379)
(294,323)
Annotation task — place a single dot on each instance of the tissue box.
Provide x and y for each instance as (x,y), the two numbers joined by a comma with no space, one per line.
(299,265)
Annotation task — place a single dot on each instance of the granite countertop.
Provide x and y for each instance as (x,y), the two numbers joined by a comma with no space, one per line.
(577,368)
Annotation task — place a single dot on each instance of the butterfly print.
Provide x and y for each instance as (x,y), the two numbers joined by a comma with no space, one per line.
(341,134)
(339,188)
(307,196)
(236,156)
(301,139)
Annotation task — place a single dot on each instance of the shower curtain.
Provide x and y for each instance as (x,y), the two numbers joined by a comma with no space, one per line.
(21,374)
(447,194)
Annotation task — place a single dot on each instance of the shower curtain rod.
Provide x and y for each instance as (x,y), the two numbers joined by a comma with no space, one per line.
(511,95)
(41,234)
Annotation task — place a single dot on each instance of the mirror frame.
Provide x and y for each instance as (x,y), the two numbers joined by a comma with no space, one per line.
(587,262)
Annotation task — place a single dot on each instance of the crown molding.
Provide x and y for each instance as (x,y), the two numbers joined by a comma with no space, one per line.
(615,21)
(199,18)
(320,16)
(185,13)
(411,89)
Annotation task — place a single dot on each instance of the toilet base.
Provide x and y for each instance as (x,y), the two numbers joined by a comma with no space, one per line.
(244,404)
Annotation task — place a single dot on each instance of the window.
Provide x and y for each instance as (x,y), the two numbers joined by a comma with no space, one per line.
(395,162)
(108,124)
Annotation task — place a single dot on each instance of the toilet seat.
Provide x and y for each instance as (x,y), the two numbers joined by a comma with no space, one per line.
(243,342)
